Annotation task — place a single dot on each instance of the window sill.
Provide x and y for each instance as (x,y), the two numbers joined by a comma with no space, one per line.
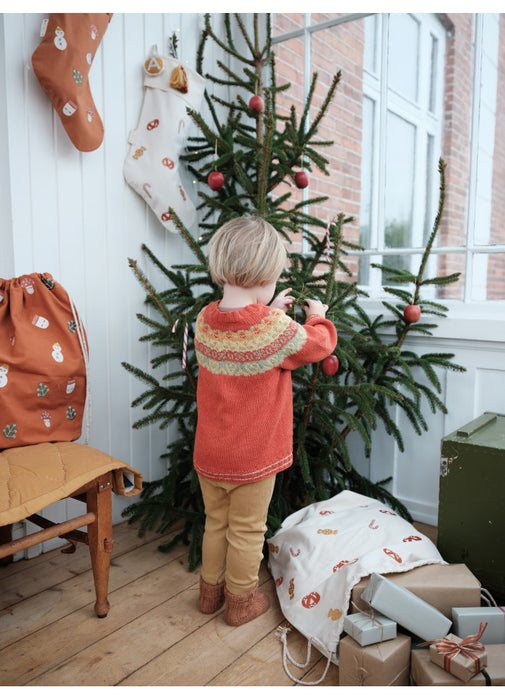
(472,322)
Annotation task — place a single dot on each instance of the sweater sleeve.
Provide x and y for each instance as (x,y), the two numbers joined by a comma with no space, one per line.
(321,340)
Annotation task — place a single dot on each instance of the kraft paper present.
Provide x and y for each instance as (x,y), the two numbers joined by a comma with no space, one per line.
(368,628)
(467,621)
(405,608)
(385,663)
(449,653)
(424,672)
(442,585)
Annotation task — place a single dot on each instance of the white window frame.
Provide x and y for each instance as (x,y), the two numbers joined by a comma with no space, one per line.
(468,318)
(426,123)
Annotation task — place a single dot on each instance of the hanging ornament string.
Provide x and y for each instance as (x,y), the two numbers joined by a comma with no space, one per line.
(328,258)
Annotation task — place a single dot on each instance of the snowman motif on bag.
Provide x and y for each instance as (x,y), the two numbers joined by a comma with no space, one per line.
(3,375)
(56,354)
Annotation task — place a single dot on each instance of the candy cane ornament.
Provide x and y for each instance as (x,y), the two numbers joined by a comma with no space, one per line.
(185,346)
(184,342)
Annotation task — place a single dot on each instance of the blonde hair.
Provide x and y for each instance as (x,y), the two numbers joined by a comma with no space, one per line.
(245,252)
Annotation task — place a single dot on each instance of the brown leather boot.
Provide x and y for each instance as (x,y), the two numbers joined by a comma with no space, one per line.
(245,607)
(211,597)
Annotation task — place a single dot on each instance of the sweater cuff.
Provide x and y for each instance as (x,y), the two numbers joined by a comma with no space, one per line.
(314,317)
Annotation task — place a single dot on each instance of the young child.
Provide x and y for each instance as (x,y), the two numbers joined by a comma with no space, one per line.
(246,348)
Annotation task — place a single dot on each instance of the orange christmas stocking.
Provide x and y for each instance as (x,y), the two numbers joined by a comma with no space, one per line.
(61,63)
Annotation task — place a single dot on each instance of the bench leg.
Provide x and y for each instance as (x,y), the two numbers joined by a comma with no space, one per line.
(99,502)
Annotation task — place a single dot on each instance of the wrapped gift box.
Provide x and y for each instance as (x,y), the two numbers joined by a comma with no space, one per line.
(405,608)
(385,663)
(368,628)
(442,585)
(461,665)
(467,621)
(424,672)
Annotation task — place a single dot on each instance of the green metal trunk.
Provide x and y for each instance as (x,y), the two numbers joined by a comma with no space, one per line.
(471,513)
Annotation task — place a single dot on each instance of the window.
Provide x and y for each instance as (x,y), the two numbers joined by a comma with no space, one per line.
(402,128)
(414,87)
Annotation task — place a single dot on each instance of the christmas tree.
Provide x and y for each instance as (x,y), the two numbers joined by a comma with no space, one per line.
(258,150)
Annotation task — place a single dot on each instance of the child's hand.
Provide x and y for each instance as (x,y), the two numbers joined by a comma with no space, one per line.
(314,306)
(283,301)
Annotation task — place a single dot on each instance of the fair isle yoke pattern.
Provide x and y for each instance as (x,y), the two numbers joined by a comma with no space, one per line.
(248,352)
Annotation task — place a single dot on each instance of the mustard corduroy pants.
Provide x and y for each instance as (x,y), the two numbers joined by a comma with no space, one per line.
(235,526)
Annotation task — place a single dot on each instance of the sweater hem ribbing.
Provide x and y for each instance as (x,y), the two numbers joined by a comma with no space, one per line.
(246,477)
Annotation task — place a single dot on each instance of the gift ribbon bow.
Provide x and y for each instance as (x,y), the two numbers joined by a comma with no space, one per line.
(466,646)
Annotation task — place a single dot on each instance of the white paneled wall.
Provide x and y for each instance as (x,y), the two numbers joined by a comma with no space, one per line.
(73,215)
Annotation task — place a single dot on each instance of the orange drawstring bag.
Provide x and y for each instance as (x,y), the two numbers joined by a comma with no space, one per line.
(43,363)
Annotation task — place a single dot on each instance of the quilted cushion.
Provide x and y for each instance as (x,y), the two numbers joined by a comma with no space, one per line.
(34,476)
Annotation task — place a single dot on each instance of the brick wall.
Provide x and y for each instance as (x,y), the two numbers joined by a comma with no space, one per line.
(456,145)
(338,48)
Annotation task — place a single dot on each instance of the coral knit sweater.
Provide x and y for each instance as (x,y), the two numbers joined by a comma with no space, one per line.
(244,396)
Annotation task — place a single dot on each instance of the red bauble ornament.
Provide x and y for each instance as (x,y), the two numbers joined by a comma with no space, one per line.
(412,313)
(215,180)
(330,365)
(301,179)
(256,103)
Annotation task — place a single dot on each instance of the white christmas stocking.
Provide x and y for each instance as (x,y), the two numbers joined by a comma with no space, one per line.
(151,167)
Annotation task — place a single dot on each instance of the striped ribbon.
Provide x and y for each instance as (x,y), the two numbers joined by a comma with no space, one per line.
(466,646)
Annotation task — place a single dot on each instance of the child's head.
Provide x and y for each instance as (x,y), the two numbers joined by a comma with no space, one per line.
(246,252)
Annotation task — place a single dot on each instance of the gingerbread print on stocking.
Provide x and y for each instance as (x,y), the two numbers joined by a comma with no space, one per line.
(151,166)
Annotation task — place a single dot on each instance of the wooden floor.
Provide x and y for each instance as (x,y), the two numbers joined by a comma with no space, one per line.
(153,635)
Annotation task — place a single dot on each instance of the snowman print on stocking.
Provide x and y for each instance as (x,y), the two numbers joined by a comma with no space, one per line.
(59,40)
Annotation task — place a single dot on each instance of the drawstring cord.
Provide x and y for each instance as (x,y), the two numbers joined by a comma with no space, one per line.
(282,633)
(85,354)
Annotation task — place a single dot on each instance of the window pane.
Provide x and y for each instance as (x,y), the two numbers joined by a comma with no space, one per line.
(429,203)
(400,262)
(399,182)
(403,50)
(448,264)
(367,173)
(434,73)
(488,277)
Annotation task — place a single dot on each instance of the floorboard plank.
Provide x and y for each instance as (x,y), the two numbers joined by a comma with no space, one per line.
(154,634)
(59,641)
(200,657)
(57,602)
(18,581)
